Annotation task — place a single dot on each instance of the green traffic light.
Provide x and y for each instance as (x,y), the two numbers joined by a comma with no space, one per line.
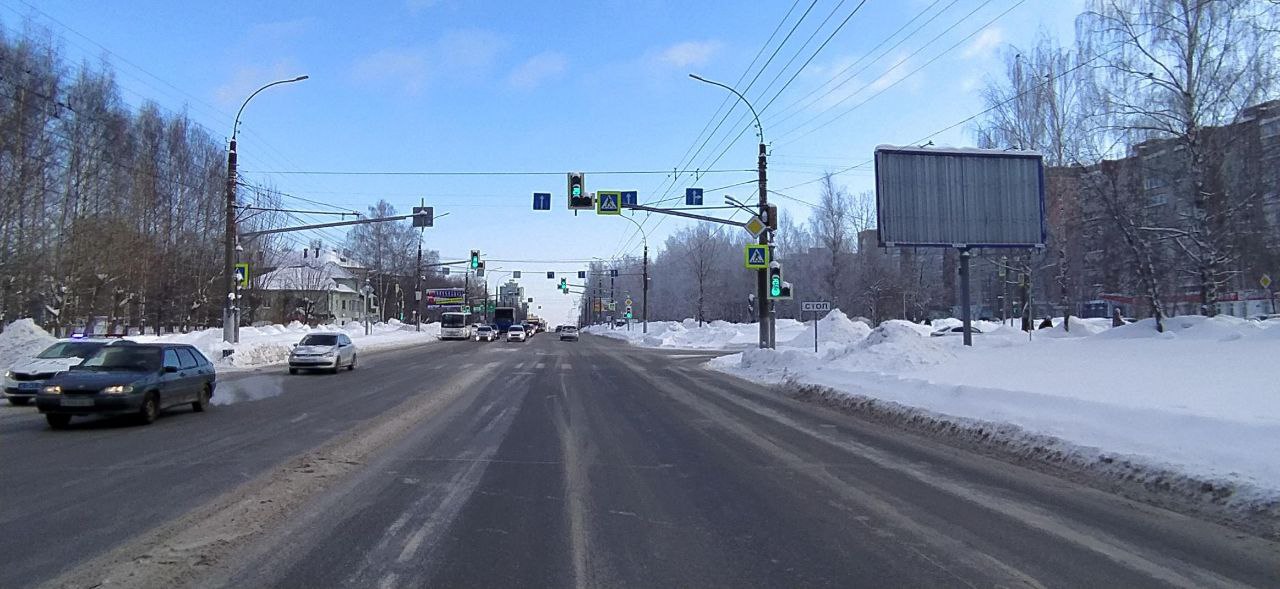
(775,286)
(577,190)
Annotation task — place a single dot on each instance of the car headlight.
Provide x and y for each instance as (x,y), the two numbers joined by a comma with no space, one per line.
(120,389)
(53,390)
(328,354)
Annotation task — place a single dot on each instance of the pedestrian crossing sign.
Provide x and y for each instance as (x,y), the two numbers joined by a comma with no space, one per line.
(757,256)
(608,203)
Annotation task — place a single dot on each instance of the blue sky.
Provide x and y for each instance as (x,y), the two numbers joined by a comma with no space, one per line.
(473,85)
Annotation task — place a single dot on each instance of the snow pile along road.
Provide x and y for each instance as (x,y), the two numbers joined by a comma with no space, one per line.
(1201,400)
(258,346)
(688,335)
(20,340)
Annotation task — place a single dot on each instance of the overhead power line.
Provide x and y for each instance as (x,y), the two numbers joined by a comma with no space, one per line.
(479,173)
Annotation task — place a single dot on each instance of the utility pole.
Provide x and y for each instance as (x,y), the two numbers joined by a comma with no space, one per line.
(417,279)
(764,305)
(230,314)
(644,301)
(613,300)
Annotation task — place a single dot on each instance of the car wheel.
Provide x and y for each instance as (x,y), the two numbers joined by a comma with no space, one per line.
(293,371)
(202,402)
(337,364)
(57,421)
(352,366)
(150,409)
(19,401)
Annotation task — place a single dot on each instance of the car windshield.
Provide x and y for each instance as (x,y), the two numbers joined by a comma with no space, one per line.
(516,328)
(320,340)
(143,359)
(483,328)
(570,329)
(71,350)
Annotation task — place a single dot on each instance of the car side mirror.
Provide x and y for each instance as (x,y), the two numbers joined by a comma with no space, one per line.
(169,369)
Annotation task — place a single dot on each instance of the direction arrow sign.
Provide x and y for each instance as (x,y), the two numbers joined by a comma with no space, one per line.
(1265,281)
(754,226)
(757,256)
(542,201)
(629,197)
(608,202)
(693,197)
(815,306)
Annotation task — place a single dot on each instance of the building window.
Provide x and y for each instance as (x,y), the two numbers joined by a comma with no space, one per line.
(1270,128)
(344,304)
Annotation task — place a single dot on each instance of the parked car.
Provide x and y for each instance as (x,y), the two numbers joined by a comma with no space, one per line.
(568,333)
(323,351)
(484,333)
(127,378)
(23,381)
(516,333)
(958,330)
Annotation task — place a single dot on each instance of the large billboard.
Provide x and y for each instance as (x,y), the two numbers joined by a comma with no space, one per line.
(961,198)
(445,298)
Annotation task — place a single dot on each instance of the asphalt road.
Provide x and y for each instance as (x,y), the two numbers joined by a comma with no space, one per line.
(559,464)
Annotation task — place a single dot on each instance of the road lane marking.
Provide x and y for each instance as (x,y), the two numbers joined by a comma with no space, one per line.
(540,365)
(299,418)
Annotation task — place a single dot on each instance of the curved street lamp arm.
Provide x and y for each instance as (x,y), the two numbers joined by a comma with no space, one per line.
(235,127)
(759,128)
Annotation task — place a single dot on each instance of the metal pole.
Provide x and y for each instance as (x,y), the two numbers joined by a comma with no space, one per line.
(645,299)
(230,321)
(613,300)
(229,250)
(964,296)
(815,332)
(765,305)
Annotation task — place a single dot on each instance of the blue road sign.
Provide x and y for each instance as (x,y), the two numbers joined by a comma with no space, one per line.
(551,275)
(693,197)
(629,197)
(542,201)
(756,256)
(608,202)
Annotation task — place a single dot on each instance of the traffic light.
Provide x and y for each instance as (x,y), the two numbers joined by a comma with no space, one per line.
(578,197)
(475,259)
(564,285)
(775,280)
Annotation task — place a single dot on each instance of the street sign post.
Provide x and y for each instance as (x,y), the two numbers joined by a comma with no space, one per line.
(609,202)
(242,274)
(693,197)
(542,201)
(756,256)
(1265,281)
(755,226)
(815,307)
(630,197)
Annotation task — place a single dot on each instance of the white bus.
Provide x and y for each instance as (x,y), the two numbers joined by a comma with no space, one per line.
(455,325)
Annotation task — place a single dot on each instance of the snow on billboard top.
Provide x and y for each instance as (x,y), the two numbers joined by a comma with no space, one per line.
(949,197)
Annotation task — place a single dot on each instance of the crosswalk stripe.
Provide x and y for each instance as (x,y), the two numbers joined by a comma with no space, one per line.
(541,365)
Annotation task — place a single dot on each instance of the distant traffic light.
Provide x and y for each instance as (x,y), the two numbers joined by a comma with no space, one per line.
(578,197)
(475,259)
(564,285)
(775,280)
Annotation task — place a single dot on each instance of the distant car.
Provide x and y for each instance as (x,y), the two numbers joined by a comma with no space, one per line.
(516,333)
(568,333)
(126,378)
(323,351)
(23,381)
(958,330)
(484,333)
(1270,317)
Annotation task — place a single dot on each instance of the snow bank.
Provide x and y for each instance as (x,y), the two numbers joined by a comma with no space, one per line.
(20,340)
(258,346)
(1201,399)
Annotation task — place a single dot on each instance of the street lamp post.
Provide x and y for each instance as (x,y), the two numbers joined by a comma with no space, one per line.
(764,306)
(230,317)
(644,297)
(368,292)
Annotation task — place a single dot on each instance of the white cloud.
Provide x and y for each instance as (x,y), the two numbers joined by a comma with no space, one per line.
(538,69)
(245,79)
(689,53)
(406,67)
(985,44)
(466,54)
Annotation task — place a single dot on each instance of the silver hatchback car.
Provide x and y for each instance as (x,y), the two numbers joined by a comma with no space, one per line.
(323,351)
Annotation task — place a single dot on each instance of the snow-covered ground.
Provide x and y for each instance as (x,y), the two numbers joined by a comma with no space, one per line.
(1201,399)
(258,346)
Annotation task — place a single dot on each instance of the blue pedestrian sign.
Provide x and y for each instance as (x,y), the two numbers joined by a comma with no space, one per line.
(629,198)
(542,201)
(757,256)
(693,197)
(608,202)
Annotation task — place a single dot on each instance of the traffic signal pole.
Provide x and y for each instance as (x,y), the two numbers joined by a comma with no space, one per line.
(764,305)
